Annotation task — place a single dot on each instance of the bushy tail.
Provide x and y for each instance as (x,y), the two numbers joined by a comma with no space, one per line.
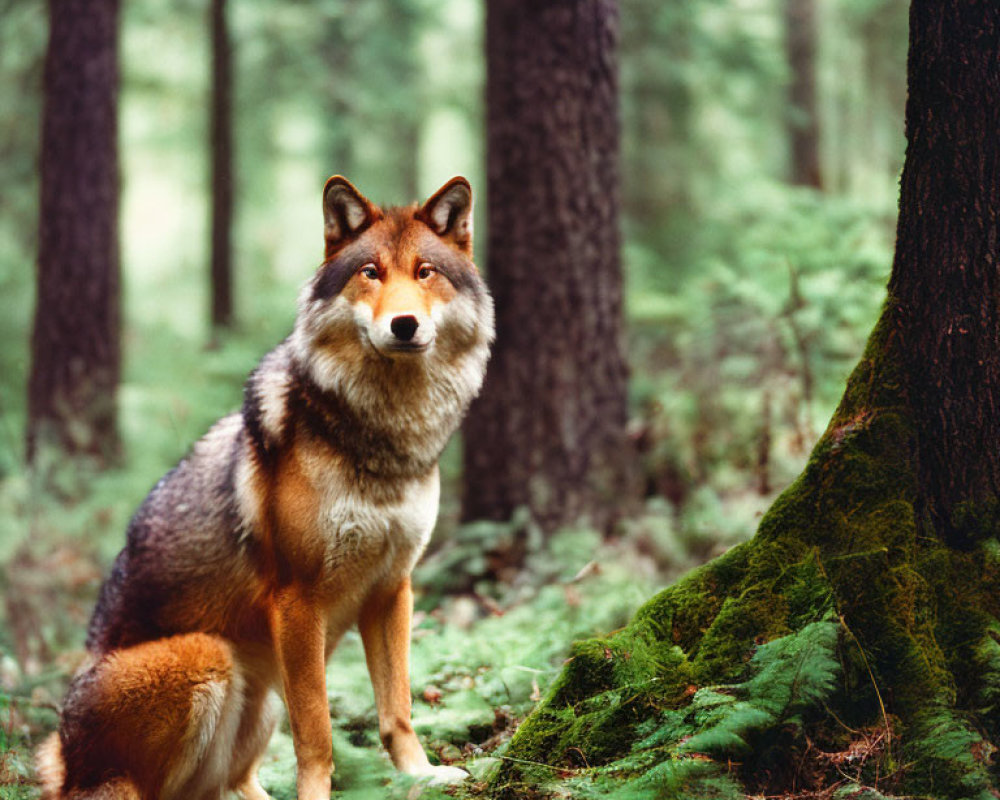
(51,767)
(52,772)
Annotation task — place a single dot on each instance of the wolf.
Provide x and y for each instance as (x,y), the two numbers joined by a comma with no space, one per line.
(287,523)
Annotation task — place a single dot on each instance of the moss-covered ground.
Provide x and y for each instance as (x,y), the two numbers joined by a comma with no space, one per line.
(844,651)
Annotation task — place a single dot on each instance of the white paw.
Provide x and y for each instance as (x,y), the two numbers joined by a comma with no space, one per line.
(441,776)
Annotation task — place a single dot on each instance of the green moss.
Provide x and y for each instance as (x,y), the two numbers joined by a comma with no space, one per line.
(757,615)
(920,643)
(607,688)
(682,612)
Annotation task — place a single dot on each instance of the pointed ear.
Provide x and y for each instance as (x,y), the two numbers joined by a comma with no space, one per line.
(449,213)
(346,213)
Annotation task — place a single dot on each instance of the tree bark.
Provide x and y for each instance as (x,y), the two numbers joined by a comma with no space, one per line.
(803,114)
(75,343)
(945,280)
(222,169)
(548,431)
(887,541)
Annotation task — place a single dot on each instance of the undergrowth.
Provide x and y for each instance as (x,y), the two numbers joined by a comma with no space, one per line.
(894,634)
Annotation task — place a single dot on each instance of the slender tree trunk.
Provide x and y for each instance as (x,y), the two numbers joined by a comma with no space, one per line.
(75,344)
(661,156)
(886,544)
(803,114)
(337,61)
(222,168)
(404,139)
(548,431)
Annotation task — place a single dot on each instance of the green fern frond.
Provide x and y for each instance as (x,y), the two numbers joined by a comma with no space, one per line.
(670,779)
(796,671)
(727,733)
(673,758)
(790,674)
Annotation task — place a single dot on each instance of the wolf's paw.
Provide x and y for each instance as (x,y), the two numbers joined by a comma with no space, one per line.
(442,775)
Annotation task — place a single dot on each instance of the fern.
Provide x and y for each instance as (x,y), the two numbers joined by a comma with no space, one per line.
(987,657)
(727,727)
(946,740)
(795,672)
(670,779)
(790,674)
(672,758)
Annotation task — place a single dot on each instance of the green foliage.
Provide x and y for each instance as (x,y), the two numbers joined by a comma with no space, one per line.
(738,367)
(682,753)
(790,675)
(695,121)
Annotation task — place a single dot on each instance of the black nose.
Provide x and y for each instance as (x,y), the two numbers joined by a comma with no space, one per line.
(403,328)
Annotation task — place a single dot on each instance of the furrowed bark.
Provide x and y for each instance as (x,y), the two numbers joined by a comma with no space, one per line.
(548,431)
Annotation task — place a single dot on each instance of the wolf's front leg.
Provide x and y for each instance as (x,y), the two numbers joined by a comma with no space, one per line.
(385,630)
(299,632)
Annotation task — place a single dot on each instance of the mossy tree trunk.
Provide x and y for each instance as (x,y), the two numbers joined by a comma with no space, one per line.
(548,431)
(75,353)
(854,641)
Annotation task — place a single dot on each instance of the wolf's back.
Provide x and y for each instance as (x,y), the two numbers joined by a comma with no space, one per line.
(183,542)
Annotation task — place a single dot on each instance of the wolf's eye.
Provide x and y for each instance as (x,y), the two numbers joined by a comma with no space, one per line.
(370,271)
(425,271)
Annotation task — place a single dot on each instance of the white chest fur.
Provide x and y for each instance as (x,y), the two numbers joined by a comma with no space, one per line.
(371,536)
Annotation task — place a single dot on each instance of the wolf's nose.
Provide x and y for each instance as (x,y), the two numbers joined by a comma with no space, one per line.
(403,328)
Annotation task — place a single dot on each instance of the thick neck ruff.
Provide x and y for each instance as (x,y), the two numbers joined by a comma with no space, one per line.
(387,417)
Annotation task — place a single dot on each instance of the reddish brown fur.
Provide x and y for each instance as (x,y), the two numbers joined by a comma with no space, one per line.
(398,253)
(137,700)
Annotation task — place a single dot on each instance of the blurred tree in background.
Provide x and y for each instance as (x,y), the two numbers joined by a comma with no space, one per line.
(221,143)
(803,118)
(388,92)
(75,345)
(548,431)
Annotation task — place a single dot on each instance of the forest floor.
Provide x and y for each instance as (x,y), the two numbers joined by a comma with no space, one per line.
(487,641)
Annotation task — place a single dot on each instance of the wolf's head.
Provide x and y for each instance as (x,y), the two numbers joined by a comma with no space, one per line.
(398,304)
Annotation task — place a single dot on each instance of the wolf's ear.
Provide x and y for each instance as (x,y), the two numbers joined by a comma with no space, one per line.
(346,213)
(449,213)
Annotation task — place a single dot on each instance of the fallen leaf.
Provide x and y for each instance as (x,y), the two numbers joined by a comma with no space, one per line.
(432,694)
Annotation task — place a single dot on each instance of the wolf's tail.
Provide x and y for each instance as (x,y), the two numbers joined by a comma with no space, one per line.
(51,767)
(52,772)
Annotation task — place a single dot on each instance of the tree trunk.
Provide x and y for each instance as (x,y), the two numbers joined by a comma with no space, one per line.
(75,346)
(548,431)
(855,637)
(945,280)
(803,115)
(662,157)
(338,97)
(222,169)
